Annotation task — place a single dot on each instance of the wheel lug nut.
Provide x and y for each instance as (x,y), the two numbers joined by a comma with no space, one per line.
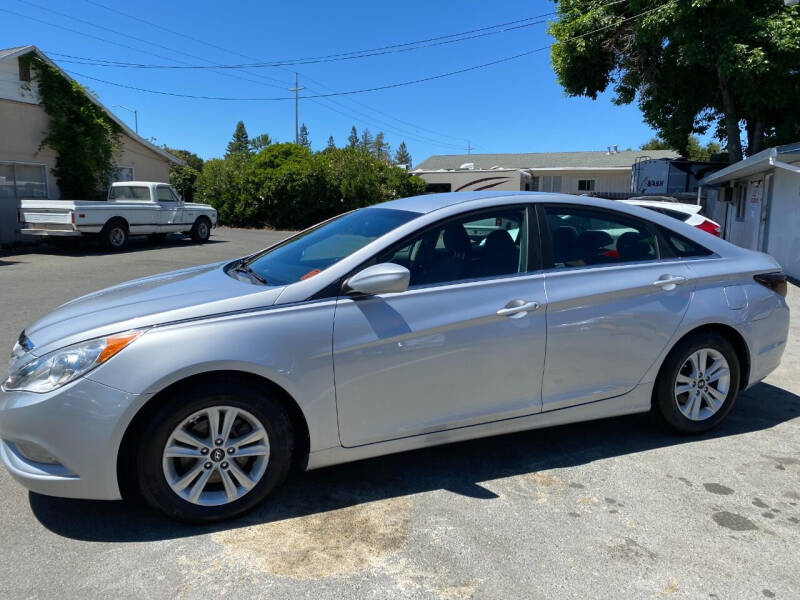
(208,465)
(218,442)
(231,450)
(224,465)
(204,451)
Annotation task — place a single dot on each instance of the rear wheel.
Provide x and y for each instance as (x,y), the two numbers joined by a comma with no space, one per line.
(114,236)
(698,383)
(201,230)
(214,451)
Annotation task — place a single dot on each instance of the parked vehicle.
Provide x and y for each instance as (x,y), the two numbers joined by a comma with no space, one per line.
(457,316)
(132,208)
(688,213)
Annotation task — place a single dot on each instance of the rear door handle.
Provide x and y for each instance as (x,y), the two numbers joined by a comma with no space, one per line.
(517,306)
(669,282)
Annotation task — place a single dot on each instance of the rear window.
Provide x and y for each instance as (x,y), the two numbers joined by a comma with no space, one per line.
(681,246)
(675,214)
(129,192)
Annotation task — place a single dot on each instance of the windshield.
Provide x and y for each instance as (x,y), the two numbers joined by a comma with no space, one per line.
(318,248)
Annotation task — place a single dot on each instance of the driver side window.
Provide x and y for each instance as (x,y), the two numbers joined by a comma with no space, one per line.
(492,243)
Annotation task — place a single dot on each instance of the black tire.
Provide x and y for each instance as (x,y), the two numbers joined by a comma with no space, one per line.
(201,230)
(114,235)
(666,407)
(182,404)
(158,238)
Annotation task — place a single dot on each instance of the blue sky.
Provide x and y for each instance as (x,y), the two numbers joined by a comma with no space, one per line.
(516,106)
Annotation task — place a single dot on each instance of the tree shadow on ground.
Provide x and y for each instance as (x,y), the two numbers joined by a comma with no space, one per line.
(90,247)
(459,468)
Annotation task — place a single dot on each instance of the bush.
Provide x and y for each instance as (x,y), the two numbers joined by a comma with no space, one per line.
(287,187)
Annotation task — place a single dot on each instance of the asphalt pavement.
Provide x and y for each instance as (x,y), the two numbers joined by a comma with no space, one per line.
(609,509)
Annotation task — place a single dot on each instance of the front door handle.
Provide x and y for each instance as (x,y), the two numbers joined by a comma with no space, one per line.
(516,307)
(669,282)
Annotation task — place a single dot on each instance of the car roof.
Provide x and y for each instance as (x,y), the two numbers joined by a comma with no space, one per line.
(430,202)
(679,206)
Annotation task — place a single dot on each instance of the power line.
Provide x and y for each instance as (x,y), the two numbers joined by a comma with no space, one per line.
(83,60)
(115,43)
(387,86)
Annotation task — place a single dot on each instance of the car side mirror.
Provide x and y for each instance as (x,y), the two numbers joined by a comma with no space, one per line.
(383,278)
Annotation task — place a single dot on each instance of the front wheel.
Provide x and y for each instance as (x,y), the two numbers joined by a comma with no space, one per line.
(201,230)
(698,383)
(215,451)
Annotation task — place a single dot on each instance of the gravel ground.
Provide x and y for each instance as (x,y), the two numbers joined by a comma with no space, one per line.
(614,508)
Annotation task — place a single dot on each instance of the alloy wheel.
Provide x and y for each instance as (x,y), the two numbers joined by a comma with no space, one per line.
(702,384)
(117,236)
(216,455)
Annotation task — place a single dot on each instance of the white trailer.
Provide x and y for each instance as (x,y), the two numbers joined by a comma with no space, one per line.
(474,180)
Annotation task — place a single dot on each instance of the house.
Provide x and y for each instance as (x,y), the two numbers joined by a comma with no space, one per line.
(25,167)
(606,173)
(757,203)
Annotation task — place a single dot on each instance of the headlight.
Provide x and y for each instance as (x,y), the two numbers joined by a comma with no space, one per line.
(59,367)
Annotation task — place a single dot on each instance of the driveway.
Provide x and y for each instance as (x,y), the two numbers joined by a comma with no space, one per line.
(614,508)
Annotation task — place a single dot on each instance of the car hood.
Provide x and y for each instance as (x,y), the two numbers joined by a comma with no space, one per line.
(174,296)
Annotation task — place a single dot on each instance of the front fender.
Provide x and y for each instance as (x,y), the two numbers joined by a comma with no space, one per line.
(288,345)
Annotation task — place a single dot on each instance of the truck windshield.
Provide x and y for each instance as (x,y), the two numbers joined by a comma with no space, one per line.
(129,192)
(318,248)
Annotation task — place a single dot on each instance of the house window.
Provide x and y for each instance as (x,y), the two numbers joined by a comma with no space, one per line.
(741,193)
(24,68)
(550,183)
(122,174)
(19,180)
(585,185)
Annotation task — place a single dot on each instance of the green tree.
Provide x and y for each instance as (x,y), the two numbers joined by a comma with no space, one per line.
(303,139)
(381,148)
(693,65)
(367,140)
(331,144)
(260,141)
(239,144)
(401,156)
(184,177)
(352,139)
(694,150)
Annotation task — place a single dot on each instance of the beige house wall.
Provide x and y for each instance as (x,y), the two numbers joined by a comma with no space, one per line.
(606,180)
(24,125)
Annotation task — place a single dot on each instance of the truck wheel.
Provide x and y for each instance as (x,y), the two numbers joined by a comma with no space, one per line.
(115,235)
(201,230)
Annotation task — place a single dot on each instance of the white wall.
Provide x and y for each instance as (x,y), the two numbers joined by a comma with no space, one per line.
(783,241)
(617,181)
(11,88)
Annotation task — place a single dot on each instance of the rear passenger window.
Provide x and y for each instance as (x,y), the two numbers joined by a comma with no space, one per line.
(582,237)
(682,247)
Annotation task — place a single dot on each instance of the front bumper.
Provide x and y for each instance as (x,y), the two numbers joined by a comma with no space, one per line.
(80,424)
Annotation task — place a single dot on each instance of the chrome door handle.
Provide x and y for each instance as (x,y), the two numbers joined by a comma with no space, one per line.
(669,282)
(517,306)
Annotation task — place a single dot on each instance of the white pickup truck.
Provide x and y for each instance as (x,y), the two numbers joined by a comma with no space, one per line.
(132,208)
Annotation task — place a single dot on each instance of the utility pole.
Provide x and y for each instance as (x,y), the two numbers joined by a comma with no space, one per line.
(470,148)
(296,89)
(135,116)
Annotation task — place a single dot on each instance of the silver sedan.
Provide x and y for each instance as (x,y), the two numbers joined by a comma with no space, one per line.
(412,323)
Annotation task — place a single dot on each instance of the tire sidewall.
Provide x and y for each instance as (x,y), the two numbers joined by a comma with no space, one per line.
(665,402)
(195,233)
(107,236)
(152,482)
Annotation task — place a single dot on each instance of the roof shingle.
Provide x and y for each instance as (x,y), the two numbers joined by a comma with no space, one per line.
(543,160)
